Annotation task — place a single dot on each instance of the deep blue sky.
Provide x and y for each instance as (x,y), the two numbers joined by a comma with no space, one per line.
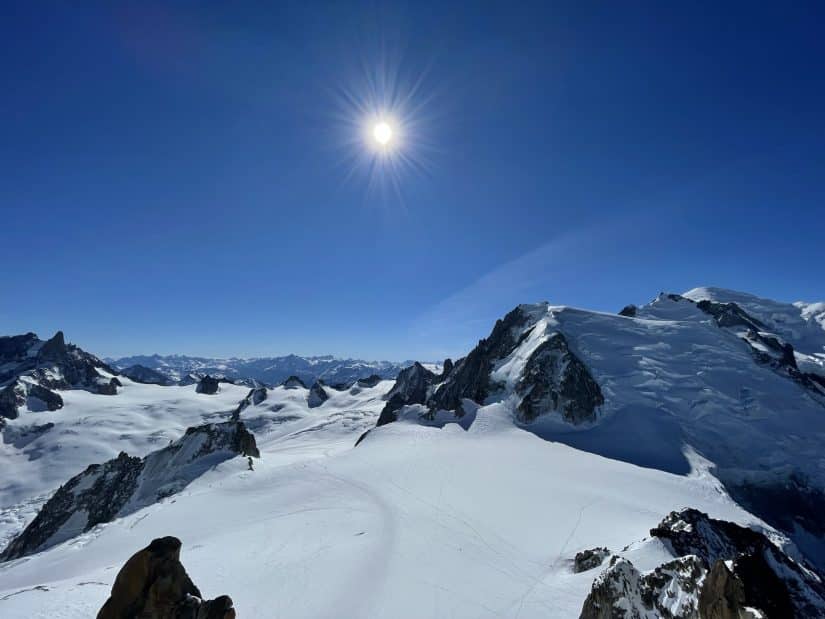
(172,179)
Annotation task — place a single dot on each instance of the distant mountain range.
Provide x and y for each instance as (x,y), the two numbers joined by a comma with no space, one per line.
(268,370)
(662,461)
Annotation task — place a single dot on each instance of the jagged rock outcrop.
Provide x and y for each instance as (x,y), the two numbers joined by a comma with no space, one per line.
(773,582)
(721,570)
(470,378)
(255,396)
(369,381)
(446,369)
(316,395)
(629,311)
(555,380)
(208,385)
(411,387)
(96,495)
(148,376)
(671,591)
(153,584)
(293,382)
(552,380)
(729,315)
(125,484)
(722,595)
(589,559)
(31,370)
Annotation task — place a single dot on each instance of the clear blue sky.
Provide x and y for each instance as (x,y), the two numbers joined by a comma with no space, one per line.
(172,177)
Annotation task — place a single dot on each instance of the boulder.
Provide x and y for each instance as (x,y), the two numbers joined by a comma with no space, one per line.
(153,584)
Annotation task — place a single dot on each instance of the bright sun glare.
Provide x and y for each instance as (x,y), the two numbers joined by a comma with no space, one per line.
(382,133)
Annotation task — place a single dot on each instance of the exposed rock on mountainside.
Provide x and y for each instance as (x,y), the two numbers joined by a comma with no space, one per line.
(255,396)
(293,382)
(148,376)
(555,380)
(411,387)
(589,559)
(31,370)
(470,377)
(266,370)
(622,591)
(208,385)
(369,381)
(120,486)
(317,395)
(520,357)
(629,311)
(720,570)
(153,584)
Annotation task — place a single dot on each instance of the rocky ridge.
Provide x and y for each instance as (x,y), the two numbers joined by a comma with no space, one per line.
(32,371)
(125,484)
(719,570)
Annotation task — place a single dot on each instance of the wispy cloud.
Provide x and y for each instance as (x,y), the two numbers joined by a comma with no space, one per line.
(468,314)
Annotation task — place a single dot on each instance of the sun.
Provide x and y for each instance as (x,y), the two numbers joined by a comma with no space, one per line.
(382,133)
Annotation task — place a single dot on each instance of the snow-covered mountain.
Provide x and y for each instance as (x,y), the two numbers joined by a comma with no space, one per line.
(661,462)
(33,370)
(268,370)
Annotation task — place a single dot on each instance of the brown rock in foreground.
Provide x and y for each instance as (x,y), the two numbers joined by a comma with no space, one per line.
(153,584)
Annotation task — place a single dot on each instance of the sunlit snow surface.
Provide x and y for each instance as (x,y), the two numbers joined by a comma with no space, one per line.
(415,522)
(420,522)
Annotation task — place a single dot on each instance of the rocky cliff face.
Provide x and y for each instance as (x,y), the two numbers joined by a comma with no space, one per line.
(317,395)
(255,396)
(523,358)
(125,484)
(719,570)
(555,380)
(153,584)
(31,371)
(208,385)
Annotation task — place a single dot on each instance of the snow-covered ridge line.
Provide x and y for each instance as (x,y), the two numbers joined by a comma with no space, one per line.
(126,484)
(267,370)
(678,373)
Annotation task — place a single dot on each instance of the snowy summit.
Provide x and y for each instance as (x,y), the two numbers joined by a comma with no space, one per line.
(664,461)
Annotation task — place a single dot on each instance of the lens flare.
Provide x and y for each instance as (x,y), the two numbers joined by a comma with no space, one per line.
(385,125)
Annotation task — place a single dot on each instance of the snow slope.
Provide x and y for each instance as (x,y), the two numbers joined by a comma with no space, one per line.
(481,519)
(415,522)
